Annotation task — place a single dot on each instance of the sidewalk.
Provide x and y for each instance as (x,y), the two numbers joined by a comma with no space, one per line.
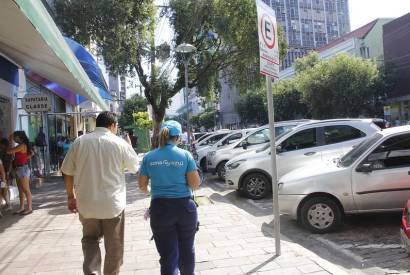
(229,242)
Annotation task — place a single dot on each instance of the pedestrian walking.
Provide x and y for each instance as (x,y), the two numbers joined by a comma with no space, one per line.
(94,177)
(22,153)
(174,219)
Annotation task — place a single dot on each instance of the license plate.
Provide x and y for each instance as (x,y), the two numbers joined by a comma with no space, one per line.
(405,241)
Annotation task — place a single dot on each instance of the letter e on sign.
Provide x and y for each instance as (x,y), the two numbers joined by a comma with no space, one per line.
(268,31)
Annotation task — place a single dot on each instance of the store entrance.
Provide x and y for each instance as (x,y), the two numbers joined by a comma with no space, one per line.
(60,130)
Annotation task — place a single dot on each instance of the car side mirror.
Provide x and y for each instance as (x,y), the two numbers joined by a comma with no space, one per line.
(279,149)
(244,145)
(365,168)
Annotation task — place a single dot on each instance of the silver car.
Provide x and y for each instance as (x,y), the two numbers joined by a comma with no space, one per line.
(255,140)
(307,143)
(373,177)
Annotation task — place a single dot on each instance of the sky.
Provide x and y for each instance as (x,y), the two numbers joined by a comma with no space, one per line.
(365,11)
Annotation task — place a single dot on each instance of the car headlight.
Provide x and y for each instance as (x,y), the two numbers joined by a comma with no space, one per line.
(235,164)
(211,154)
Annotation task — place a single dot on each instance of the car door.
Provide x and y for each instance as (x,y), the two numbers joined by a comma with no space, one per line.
(385,184)
(298,150)
(338,140)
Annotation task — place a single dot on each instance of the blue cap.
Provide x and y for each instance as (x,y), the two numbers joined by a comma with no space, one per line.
(174,127)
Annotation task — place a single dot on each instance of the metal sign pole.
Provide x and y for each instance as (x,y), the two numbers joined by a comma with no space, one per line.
(276,215)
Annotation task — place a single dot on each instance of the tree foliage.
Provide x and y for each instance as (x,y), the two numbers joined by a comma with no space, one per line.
(142,120)
(205,119)
(306,63)
(252,109)
(132,105)
(343,86)
(226,37)
(288,101)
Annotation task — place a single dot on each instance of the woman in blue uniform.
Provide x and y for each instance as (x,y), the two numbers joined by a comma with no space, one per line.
(174,217)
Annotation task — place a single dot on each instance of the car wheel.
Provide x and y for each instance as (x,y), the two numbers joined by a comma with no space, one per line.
(221,170)
(256,186)
(320,215)
(203,165)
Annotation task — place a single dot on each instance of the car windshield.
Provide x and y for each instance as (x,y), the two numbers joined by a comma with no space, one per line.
(203,137)
(357,151)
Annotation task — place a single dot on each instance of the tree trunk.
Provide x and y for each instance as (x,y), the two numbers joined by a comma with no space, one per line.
(157,121)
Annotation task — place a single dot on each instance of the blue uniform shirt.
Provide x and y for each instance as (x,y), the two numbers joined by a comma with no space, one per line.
(167,168)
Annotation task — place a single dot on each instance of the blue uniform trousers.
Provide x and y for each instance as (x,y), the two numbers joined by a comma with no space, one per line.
(174,224)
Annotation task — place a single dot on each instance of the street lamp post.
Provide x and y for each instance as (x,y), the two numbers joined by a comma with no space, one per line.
(186,49)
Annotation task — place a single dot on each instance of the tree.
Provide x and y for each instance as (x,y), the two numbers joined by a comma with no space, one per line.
(306,63)
(133,105)
(252,109)
(142,120)
(288,101)
(207,118)
(225,35)
(343,86)
(195,121)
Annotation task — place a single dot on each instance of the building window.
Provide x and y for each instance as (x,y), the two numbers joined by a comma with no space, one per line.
(364,52)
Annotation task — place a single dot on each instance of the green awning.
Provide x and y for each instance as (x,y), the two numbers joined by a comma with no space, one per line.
(29,36)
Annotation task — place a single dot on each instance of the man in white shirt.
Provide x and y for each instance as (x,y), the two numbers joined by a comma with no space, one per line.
(94,177)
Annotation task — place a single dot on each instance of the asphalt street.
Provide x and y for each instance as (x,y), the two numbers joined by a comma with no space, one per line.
(369,243)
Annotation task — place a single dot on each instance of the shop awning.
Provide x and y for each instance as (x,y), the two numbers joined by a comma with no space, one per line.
(29,36)
(91,67)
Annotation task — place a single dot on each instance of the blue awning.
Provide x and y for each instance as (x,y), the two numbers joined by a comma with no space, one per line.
(91,68)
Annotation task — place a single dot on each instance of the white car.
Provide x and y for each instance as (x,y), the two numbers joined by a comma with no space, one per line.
(373,177)
(225,141)
(207,142)
(307,143)
(218,157)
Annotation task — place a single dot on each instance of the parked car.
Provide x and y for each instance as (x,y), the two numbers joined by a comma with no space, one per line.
(201,138)
(218,157)
(207,142)
(373,177)
(211,138)
(405,228)
(309,142)
(226,140)
(199,135)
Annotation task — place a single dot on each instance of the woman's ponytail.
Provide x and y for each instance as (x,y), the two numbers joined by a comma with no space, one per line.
(163,137)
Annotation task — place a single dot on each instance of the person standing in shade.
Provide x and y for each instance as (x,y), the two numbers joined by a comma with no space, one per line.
(94,177)
(133,139)
(174,218)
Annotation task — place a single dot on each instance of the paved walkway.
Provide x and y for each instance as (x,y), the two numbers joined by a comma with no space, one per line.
(229,241)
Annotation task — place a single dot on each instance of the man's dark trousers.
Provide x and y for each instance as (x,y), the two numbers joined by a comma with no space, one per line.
(174,224)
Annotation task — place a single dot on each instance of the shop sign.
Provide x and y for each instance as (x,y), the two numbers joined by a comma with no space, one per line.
(36,103)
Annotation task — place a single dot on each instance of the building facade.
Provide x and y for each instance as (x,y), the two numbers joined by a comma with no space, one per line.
(229,96)
(396,44)
(310,24)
